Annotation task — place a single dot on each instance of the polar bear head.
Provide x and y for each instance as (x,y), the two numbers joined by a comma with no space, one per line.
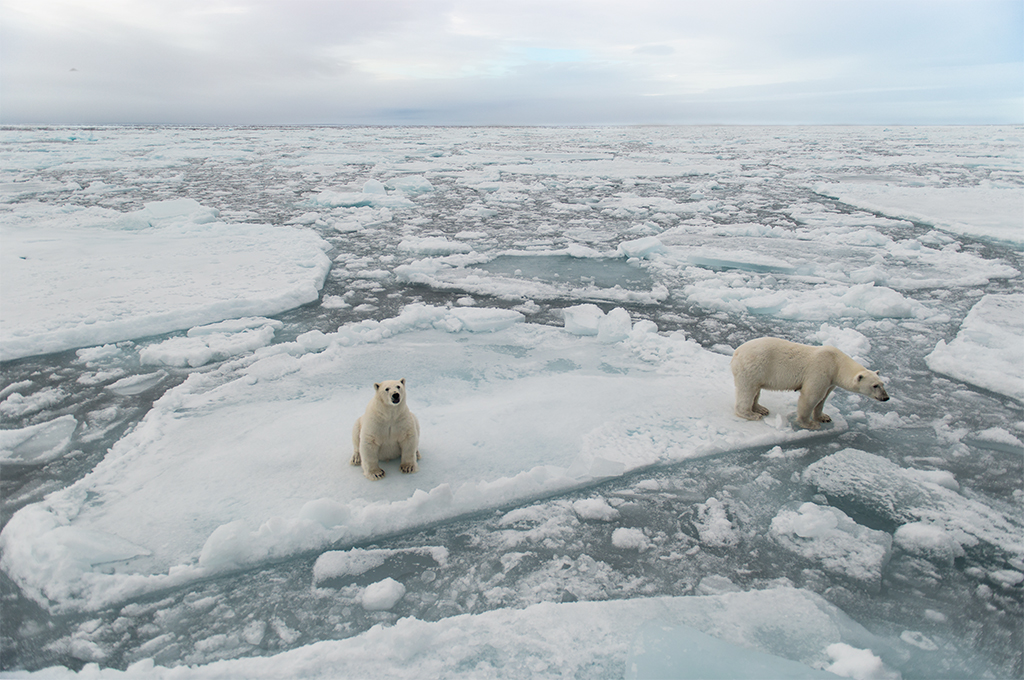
(867,382)
(391,392)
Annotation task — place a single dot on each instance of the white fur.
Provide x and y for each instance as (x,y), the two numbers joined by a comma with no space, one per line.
(387,430)
(776,364)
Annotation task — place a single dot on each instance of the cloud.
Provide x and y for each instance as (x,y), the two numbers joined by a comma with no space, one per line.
(519,61)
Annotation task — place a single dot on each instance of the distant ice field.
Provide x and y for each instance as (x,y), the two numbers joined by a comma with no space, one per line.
(191,320)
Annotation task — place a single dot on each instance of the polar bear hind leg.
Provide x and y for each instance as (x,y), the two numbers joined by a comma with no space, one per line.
(746,402)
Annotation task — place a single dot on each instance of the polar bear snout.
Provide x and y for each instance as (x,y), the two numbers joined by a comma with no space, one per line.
(397,397)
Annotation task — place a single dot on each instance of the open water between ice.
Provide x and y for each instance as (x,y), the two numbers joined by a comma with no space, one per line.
(192,319)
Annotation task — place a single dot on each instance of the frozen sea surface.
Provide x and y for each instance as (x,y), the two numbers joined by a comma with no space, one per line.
(192,319)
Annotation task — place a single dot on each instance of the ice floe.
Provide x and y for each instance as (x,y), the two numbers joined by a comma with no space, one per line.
(249,462)
(99,276)
(988,350)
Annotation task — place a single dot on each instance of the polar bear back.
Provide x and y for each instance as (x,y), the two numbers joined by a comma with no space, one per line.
(777,364)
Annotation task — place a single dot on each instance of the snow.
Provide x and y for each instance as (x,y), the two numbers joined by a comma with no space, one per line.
(79,277)
(987,351)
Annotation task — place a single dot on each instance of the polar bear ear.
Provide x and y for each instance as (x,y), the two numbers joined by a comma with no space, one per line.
(402,381)
(376,386)
(860,376)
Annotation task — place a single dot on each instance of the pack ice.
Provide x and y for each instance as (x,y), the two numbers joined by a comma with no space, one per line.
(249,462)
(75,277)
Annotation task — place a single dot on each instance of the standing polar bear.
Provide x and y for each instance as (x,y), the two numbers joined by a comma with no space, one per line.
(776,364)
(387,430)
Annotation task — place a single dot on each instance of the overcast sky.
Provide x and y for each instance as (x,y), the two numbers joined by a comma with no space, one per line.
(512,61)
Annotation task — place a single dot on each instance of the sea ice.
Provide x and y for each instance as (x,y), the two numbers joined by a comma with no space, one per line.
(37,443)
(382,595)
(987,351)
(777,630)
(508,410)
(833,541)
(987,211)
(86,277)
(878,488)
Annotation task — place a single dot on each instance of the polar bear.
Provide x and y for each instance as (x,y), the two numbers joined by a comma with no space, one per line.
(387,430)
(776,364)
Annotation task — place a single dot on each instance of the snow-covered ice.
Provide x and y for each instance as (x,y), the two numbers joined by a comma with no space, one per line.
(80,277)
(988,351)
(176,494)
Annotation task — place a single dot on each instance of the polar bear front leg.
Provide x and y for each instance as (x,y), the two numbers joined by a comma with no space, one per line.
(812,399)
(817,414)
(410,452)
(355,460)
(369,453)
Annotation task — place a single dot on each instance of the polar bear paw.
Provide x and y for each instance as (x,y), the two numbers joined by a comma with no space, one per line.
(408,467)
(356,460)
(374,475)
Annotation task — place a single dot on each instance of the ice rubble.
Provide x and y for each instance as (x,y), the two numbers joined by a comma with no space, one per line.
(830,539)
(779,632)
(249,462)
(884,493)
(76,277)
(988,350)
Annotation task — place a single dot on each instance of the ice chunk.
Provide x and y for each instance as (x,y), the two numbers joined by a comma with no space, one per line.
(996,438)
(833,541)
(871,486)
(432,245)
(630,538)
(987,351)
(481,319)
(588,319)
(595,508)
(642,248)
(928,541)
(181,210)
(341,563)
(383,595)
(582,319)
(37,443)
(614,326)
(411,185)
(205,344)
(859,664)
(137,384)
(661,652)
(714,526)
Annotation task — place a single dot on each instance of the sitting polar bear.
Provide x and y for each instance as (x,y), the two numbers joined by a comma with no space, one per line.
(387,430)
(776,364)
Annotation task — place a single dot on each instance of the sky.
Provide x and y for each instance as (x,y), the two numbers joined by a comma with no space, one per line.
(511,62)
